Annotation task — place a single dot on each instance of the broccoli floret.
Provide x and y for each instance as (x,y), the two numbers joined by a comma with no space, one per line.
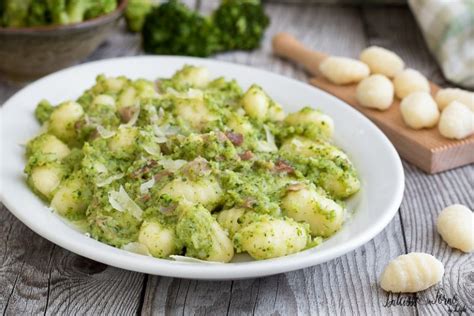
(136,12)
(242,23)
(15,12)
(173,28)
(21,13)
(100,7)
(57,11)
(38,13)
(80,10)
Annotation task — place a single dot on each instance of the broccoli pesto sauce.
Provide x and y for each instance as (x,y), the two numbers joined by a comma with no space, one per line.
(191,166)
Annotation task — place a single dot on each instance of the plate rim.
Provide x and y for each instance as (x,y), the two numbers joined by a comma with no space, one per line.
(212,271)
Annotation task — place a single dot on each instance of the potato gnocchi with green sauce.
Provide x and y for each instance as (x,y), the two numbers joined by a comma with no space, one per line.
(191,166)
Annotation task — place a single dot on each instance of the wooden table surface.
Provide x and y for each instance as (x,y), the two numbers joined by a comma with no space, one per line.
(38,277)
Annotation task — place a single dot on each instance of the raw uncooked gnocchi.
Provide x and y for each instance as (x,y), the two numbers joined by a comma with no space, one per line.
(382,61)
(419,110)
(445,96)
(456,226)
(342,70)
(456,121)
(409,81)
(375,92)
(411,273)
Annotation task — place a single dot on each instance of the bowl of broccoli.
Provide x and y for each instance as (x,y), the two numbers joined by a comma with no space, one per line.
(41,36)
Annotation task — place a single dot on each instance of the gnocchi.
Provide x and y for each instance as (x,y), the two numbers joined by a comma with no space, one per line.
(312,119)
(455,224)
(267,237)
(323,215)
(256,103)
(205,191)
(203,237)
(342,70)
(45,179)
(375,92)
(412,273)
(159,240)
(419,110)
(62,121)
(382,61)
(445,96)
(48,145)
(456,121)
(72,197)
(408,81)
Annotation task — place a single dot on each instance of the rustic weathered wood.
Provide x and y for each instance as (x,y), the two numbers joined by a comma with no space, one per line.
(31,267)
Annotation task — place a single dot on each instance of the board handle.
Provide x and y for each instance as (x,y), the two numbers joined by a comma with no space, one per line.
(285,45)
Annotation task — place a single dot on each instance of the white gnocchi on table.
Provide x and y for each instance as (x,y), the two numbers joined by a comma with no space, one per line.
(375,92)
(342,70)
(408,81)
(382,61)
(419,110)
(445,96)
(455,224)
(456,121)
(410,273)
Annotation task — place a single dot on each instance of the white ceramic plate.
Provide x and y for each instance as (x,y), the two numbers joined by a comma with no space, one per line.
(375,158)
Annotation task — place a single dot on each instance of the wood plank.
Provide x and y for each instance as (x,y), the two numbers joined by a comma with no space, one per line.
(346,285)
(38,277)
(425,195)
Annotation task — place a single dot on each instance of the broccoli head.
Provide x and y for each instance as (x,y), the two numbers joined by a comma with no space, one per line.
(136,13)
(172,28)
(21,13)
(242,23)
(80,10)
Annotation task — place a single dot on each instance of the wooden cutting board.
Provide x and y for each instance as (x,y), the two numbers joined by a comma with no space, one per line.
(424,148)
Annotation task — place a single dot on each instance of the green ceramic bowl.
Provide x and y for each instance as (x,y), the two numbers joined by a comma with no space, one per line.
(30,53)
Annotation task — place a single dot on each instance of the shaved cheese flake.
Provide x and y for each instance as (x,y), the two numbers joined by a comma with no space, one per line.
(152,150)
(104,133)
(137,248)
(172,165)
(134,118)
(122,202)
(192,260)
(100,168)
(165,130)
(109,180)
(144,187)
(268,145)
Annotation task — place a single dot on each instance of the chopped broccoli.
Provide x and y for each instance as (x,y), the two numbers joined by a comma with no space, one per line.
(136,12)
(241,23)
(173,28)
(43,111)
